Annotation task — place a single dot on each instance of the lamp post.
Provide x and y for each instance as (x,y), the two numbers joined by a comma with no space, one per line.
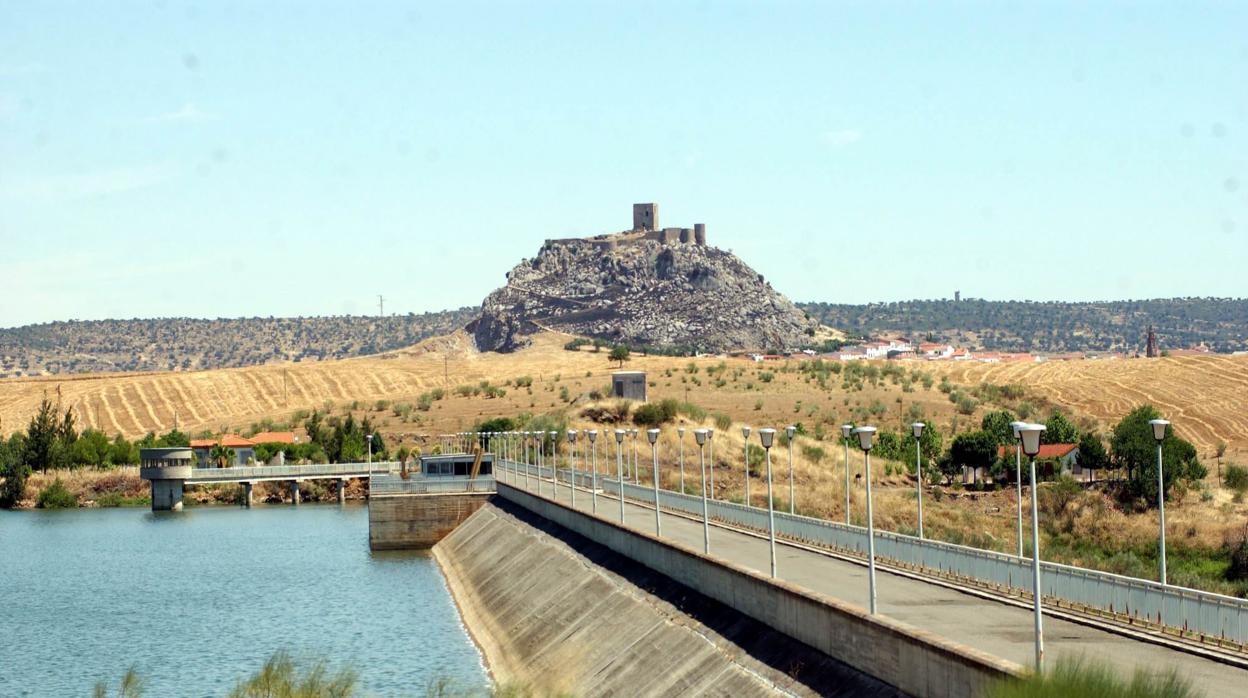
(619,468)
(1159,435)
(702,436)
(767,436)
(572,469)
(652,435)
(593,447)
(1030,434)
(917,430)
(745,435)
(1018,476)
(524,439)
(710,442)
(370,449)
(636,467)
(847,430)
(789,431)
(554,464)
(680,431)
(865,435)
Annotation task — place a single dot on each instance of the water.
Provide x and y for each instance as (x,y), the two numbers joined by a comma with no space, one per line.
(200,599)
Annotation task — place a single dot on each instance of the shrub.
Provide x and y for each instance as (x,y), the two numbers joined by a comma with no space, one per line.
(1080,677)
(56,496)
(814,454)
(1236,478)
(524,381)
(722,421)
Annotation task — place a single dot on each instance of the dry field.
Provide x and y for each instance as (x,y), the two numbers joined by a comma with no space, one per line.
(1206,397)
(1203,396)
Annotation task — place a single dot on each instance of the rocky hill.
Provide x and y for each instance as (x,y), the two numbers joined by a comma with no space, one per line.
(180,344)
(644,293)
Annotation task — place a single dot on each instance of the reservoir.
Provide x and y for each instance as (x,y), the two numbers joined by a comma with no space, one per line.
(200,599)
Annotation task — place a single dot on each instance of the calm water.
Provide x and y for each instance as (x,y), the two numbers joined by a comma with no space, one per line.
(200,599)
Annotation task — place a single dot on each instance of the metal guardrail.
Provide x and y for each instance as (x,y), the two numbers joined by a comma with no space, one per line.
(293,472)
(1214,616)
(393,484)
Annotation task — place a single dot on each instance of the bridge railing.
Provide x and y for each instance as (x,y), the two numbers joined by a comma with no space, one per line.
(292,471)
(392,484)
(1213,616)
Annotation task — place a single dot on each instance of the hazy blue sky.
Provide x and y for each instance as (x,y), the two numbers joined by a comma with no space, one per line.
(273,158)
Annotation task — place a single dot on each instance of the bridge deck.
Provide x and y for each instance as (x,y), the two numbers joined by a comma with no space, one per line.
(996,627)
(264,473)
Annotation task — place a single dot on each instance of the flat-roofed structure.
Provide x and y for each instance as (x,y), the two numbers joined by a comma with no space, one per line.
(630,385)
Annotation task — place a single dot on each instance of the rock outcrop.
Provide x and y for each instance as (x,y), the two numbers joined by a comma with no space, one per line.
(643,293)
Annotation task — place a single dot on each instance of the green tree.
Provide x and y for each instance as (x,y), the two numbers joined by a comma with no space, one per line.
(222,455)
(997,423)
(13,470)
(173,439)
(619,354)
(1059,430)
(44,447)
(1135,450)
(92,448)
(974,449)
(1092,455)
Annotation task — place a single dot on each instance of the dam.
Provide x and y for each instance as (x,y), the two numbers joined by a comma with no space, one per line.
(933,636)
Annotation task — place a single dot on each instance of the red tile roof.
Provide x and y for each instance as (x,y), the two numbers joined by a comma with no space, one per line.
(229,441)
(1046,450)
(274,437)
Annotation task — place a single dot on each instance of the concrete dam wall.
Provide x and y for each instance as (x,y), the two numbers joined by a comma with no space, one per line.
(560,613)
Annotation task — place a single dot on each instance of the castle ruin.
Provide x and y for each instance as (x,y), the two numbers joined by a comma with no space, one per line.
(645,227)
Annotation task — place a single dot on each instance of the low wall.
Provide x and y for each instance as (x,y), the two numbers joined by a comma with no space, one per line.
(560,614)
(917,662)
(408,521)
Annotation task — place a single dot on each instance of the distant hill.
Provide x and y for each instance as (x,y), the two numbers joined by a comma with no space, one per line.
(1121,326)
(184,344)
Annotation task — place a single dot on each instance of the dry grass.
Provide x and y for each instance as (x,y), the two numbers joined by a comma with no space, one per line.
(1202,395)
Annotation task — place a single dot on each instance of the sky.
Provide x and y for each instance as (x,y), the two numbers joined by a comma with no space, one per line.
(225,159)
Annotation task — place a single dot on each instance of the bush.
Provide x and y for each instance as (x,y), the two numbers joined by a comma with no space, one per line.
(1071,678)
(722,421)
(1236,478)
(56,496)
(524,381)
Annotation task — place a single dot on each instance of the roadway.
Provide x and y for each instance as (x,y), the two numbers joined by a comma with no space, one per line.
(996,627)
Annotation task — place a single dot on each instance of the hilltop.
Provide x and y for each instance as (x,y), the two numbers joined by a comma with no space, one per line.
(188,344)
(662,289)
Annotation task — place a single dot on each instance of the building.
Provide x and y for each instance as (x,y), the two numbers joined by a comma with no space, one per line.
(1064,456)
(629,385)
(244,450)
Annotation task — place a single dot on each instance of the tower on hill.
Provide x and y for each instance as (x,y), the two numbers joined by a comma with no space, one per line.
(1150,348)
(645,216)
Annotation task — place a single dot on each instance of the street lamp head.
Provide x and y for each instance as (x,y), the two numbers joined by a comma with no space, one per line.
(917,429)
(554,435)
(571,436)
(1030,434)
(700,435)
(369,437)
(1159,429)
(1017,427)
(847,430)
(681,431)
(745,432)
(652,435)
(710,433)
(789,431)
(865,436)
(619,436)
(767,436)
(593,435)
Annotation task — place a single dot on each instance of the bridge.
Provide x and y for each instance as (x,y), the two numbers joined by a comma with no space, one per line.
(169,470)
(973,604)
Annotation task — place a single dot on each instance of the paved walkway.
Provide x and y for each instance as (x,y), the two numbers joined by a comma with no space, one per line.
(991,626)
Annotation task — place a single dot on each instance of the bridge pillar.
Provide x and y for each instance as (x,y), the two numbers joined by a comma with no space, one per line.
(247,494)
(167,469)
(294,492)
(342,490)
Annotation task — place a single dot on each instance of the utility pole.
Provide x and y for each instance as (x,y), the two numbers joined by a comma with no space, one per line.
(381,305)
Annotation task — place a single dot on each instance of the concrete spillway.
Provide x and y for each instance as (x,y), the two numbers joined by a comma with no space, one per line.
(560,613)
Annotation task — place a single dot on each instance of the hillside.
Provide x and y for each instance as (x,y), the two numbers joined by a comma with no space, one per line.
(1200,394)
(186,344)
(1111,326)
(632,289)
